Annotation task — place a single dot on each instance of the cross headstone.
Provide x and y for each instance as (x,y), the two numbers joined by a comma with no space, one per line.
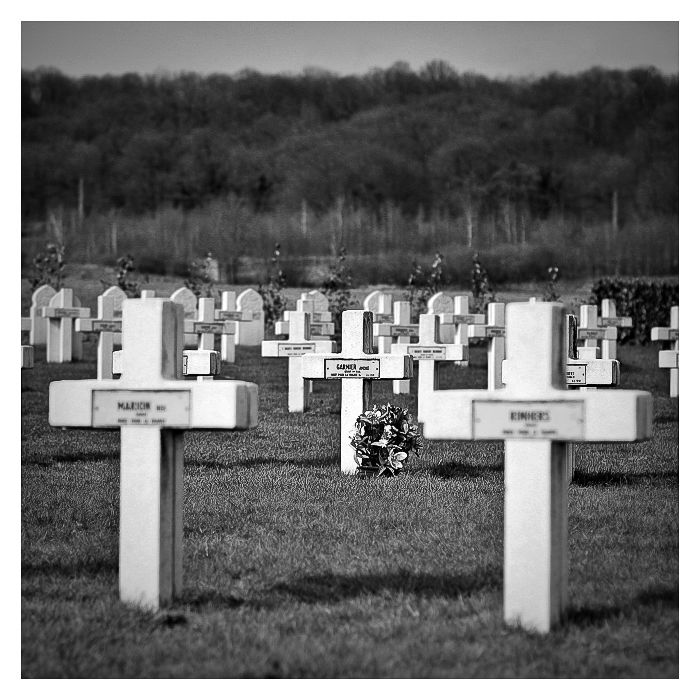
(38,325)
(108,324)
(669,358)
(206,328)
(536,416)
(495,331)
(355,366)
(202,364)
(63,343)
(153,407)
(320,325)
(228,312)
(299,343)
(429,351)
(461,319)
(379,303)
(402,319)
(251,332)
(608,317)
(440,303)
(591,332)
(188,299)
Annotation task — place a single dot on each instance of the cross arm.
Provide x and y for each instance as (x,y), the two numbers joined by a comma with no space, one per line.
(480,331)
(227,315)
(392,330)
(664,334)
(63,312)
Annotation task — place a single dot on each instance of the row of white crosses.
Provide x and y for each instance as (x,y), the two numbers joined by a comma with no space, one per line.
(152,407)
(536,417)
(669,358)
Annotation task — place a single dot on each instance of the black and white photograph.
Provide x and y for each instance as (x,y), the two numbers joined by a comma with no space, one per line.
(350,347)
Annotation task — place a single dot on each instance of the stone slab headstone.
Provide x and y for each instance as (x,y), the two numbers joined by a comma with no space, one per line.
(356,366)
(251,332)
(63,343)
(188,299)
(441,303)
(535,415)
(152,406)
(38,325)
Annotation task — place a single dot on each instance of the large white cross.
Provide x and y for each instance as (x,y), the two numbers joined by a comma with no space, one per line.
(108,324)
(356,366)
(428,351)
(608,317)
(299,342)
(495,330)
(536,416)
(591,331)
(63,343)
(669,358)
(152,406)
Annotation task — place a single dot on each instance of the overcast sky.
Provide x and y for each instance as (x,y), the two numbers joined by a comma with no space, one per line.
(496,49)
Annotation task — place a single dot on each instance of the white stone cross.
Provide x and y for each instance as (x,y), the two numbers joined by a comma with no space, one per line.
(462,319)
(228,312)
(380,304)
(153,407)
(428,351)
(402,319)
(299,342)
(38,324)
(250,332)
(669,358)
(440,303)
(536,416)
(108,324)
(495,331)
(608,317)
(206,327)
(356,366)
(321,327)
(188,299)
(591,331)
(63,343)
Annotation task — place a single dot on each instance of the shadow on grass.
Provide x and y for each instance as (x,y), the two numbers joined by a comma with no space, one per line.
(329,587)
(255,463)
(605,478)
(71,569)
(658,596)
(461,470)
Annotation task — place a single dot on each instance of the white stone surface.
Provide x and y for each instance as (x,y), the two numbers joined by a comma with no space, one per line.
(250,332)
(356,365)
(495,330)
(402,317)
(63,343)
(188,299)
(38,324)
(536,415)
(299,342)
(667,359)
(151,389)
(380,304)
(441,303)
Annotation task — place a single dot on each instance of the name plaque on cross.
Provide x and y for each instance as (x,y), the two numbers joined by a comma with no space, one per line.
(592,333)
(576,374)
(225,315)
(63,313)
(418,352)
(339,369)
(113,408)
(204,327)
(551,420)
(295,349)
(399,331)
(106,326)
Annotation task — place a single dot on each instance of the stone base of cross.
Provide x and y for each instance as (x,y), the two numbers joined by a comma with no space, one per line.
(152,407)
(536,417)
(669,358)
(355,366)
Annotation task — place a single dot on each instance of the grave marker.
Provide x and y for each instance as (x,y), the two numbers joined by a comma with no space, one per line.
(462,319)
(428,351)
(495,331)
(536,416)
(402,318)
(188,299)
(299,343)
(608,317)
(320,325)
(38,325)
(206,327)
(251,332)
(355,366)
(669,358)
(440,303)
(153,407)
(590,331)
(379,303)
(63,343)
(228,312)
(195,363)
(108,324)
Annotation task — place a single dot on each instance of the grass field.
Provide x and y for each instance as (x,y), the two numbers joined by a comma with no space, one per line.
(292,570)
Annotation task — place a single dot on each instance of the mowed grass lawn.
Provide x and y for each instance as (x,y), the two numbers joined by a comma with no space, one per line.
(292,570)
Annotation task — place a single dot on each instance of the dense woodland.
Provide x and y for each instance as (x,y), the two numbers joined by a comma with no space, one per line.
(581,170)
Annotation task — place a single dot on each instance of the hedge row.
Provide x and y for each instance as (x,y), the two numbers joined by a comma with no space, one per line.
(648,303)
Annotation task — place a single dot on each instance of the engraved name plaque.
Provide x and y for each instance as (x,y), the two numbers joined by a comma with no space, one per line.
(114,408)
(575,374)
(398,331)
(340,369)
(295,349)
(426,353)
(107,326)
(511,420)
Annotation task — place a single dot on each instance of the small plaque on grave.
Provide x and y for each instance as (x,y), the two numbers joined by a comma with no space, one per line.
(230,315)
(426,352)
(470,319)
(64,313)
(495,332)
(591,333)
(618,322)
(295,349)
(511,420)
(107,326)
(575,374)
(342,368)
(382,318)
(398,331)
(202,327)
(114,408)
